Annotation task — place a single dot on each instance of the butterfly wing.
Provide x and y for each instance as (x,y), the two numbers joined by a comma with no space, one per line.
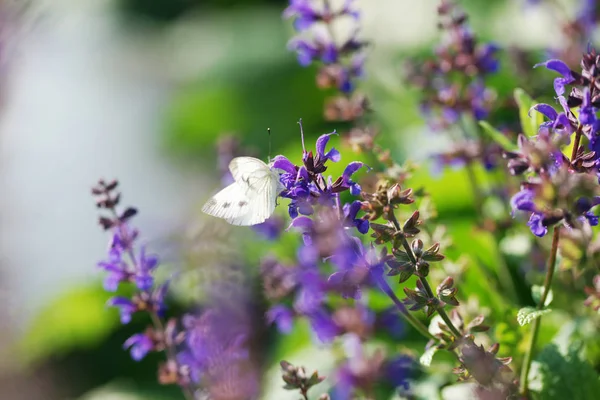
(251,199)
(229,203)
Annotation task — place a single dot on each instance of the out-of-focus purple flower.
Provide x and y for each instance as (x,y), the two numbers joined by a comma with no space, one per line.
(390,320)
(341,60)
(361,371)
(117,270)
(523,201)
(270,229)
(307,12)
(536,224)
(143,277)
(125,306)
(139,345)
(323,326)
(398,371)
(318,48)
(216,349)
(304,12)
(282,316)
(311,291)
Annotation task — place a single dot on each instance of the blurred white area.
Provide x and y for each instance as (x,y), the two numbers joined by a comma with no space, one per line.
(76,109)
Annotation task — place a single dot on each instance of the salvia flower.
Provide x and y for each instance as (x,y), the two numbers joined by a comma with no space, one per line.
(453,82)
(558,188)
(341,60)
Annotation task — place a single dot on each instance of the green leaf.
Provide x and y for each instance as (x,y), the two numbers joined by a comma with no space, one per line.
(497,136)
(78,319)
(527,314)
(558,376)
(529,123)
(427,357)
(536,293)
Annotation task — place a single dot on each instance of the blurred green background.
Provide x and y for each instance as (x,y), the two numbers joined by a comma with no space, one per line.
(140,90)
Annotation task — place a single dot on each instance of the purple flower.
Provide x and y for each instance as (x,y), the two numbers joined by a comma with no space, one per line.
(536,224)
(323,326)
(304,13)
(562,68)
(332,154)
(488,63)
(282,316)
(390,320)
(125,306)
(351,220)
(139,345)
(311,291)
(270,229)
(116,269)
(523,201)
(398,370)
(317,49)
(346,177)
(143,277)
(564,123)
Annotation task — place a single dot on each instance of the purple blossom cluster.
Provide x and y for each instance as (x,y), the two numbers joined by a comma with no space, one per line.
(558,187)
(126,263)
(341,61)
(355,236)
(206,352)
(453,83)
(332,260)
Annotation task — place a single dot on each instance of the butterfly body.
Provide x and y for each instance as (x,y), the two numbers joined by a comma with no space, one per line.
(251,198)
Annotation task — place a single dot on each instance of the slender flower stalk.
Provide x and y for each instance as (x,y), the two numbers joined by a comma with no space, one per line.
(523,388)
(422,329)
(407,248)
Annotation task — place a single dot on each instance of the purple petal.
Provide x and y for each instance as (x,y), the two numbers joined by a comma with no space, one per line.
(545,109)
(561,68)
(351,169)
(302,222)
(140,345)
(536,226)
(322,143)
(323,326)
(283,163)
(282,316)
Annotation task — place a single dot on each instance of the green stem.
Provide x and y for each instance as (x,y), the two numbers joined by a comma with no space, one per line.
(506,280)
(536,323)
(408,317)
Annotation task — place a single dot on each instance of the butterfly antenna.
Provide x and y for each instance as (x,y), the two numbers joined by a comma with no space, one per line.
(269,156)
(302,134)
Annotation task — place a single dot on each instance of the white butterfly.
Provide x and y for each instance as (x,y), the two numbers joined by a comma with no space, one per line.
(252,198)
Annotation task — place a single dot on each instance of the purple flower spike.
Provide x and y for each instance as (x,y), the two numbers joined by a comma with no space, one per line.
(139,345)
(561,68)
